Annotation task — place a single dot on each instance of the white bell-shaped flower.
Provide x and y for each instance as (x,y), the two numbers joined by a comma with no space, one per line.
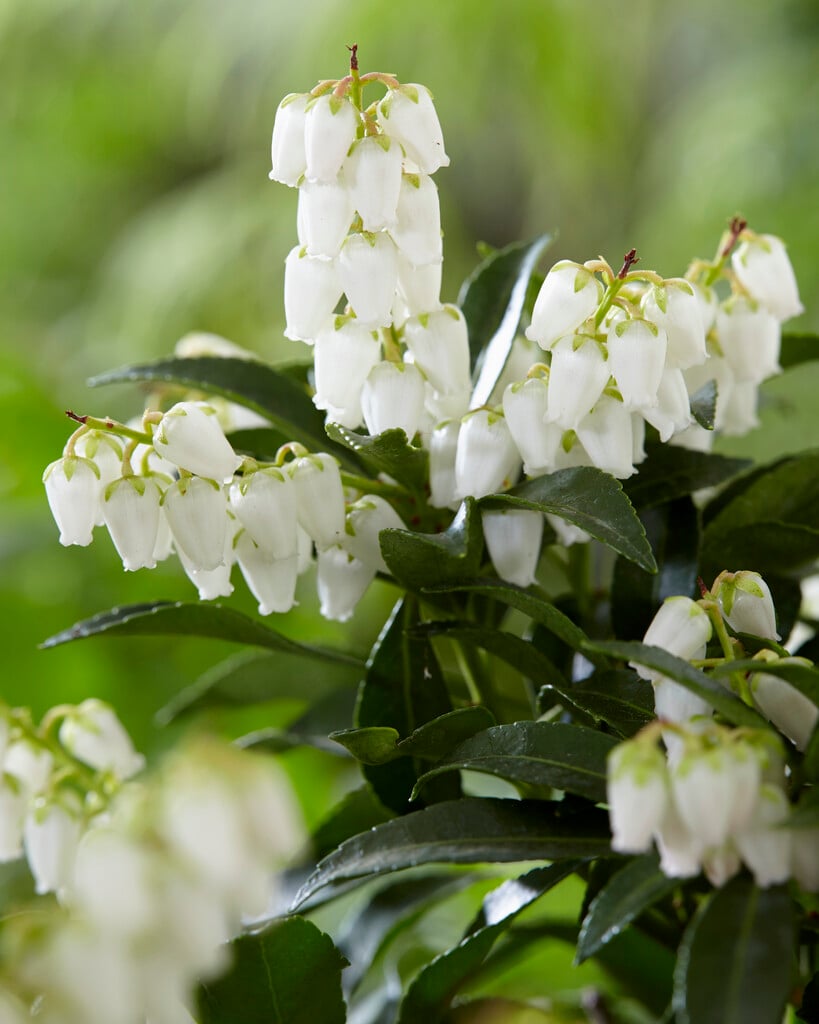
(196,509)
(577,376)
(105,451)
(407,114)
(113,884)
(189,435)
(637,793)
(73,490)
(341,582)
(304,550)
(746,602)
(319,497)
(265,504)
(522,357)
(637,351)
(324,215)
(750,338)
(443,448)
(343,356)
(513,538)
(365,521)
(453,405)
(525,405)
(638,438)
(681,627)
(794,714)
(368,270)
(673,703)
(30,764)
(393,397)
(13,804)
(569,295)
(271,580)
(675,308)
(672,411)
(373,173)
(439,344)
(607,435)
(704,786)
(51,835)
(680,849)
(805,858)
(131,506)
(721,864)
(418,286)
(745,768)
(212,583)
(330,128)
(708,303)
(715,369)
(487,458)
(312,288)
(287,153)
(417,230)
(763,268)
(93,734)
(763,845)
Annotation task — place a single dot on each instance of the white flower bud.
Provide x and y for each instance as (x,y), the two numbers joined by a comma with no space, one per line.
(513,538)
(73,491)
(569,295)
(329,131)
(637,350)
(525,405)
(196,509)
(766,848)
(204,343)
(681,627)
(13,802)
(51,835)
(443,447)
(419,287)
(577,376)
(30,764)
(131,506)
(365,521)
(93,734)
(342,580)
(750,339)
(265,504)
(287,145)
(607,435)
(487,459)
(312,288)
(407,114)
(746,603)
(393,397)
(343,357)
(417,230)
(675,308)
(368,270)
(672,413)
(794,714)
(763,268)
(271,580)
(637,794)
(373,172)
(189,436)
(319,497)
(439,345)
(324,215)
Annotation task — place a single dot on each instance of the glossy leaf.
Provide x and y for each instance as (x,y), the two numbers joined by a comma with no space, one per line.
(704,404)
(801,677)
(633,889)
(493,298)
(434,739)
(549,754)
(735,961)
(288,974)
(431,992)
(356,812)
(797,349)
(688,676)
(671,472)
(589,498)
(467,831)
(621,699)
(273,393)
(419,560)
(388,453)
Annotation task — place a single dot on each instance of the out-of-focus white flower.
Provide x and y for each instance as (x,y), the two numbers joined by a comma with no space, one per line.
(487,458)
(73,490)
(721,864)
(329,130)
(93,734)
(680,849)
(203,343)
(196,509)
(407,114)
(287,145)
(746,603)
(13,802)
(131,506)
(365,521)
(439,345)
(417,228)
(368,271)
(312,288)
(319,497)
(791,712)
(265,504)
(714,790)
(569,295)
(30,764)
(189,435)
(765,847)
(577,376)
(762,266)
(675,307)
(637,793)
(342,580)
(513,538)
(373,173)
(636,350)
(750,339)
(393,398)
(343,356)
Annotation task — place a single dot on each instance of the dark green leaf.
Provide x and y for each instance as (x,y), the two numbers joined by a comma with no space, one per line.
(550,754)
(288,974)
(621,699)
(261,443)
(680,671)
(177,618)
(402,689)
(809,1010)
(801,677)
(492,299)
(247,679)
(767,548)
(467,831)
(388,453)
(806,812)
(592,500)
(356,812)
(735,961)
(632,890)
(375,744)
(432,991)
(419,560)
(704,404)
(671,472)
(797,349)
(255,385)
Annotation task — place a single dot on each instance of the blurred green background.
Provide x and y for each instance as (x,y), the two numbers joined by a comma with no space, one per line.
(136,207)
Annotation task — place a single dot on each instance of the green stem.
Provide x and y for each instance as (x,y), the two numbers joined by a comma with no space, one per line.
(112,427)
(370,486)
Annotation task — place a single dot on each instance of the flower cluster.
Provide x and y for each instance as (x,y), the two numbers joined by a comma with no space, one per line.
(152,877)
(716,797)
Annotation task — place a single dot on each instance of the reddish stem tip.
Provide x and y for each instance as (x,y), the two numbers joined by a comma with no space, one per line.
(73,416)
(737,226)
(353,57)
(703,589)
(629,260)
